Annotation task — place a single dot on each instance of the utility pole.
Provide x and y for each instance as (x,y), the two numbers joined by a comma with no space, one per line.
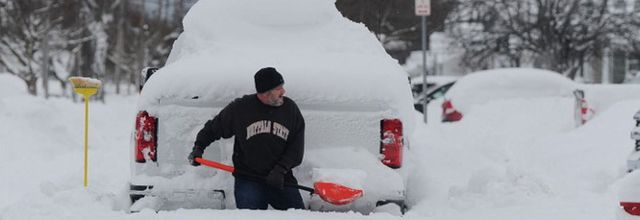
(45,60)
(120,44)
(45,52)
(423,9)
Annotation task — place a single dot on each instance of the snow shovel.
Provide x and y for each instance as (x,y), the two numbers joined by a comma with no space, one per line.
(329,192)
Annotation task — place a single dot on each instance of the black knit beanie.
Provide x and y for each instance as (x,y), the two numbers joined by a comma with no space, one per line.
(267,78)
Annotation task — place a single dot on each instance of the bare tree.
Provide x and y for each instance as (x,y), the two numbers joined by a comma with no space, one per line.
(36,34)
(626,38)
(394,22)
(23,23)
(559,35)
(475,26)
(109,40)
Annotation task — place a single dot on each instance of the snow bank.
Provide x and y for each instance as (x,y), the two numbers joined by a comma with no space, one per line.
(522,159)
(351,178)
(11,86)
(41,145)
(487,167)
(600,97)
(522,83)
(336,164)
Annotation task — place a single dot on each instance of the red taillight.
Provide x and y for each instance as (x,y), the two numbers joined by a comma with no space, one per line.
(146,137)
(449,113)
(391,142)
(633,208)
(586,113)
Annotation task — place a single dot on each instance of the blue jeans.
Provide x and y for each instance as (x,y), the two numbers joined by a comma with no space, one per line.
(255,195)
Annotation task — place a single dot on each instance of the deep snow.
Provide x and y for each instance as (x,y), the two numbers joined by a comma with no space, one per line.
(528,162)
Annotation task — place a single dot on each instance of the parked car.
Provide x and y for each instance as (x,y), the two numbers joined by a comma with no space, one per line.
(498,84)
(145,74)
(433,83)
(433,94)
(633,162)
(629,195)
(350,125)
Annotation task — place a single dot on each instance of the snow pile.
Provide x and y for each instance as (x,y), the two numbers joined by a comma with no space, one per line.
(351,178)
(42,155)
(510,166)
(42,162)
(507,83)
(368,174)
(525,83)
(629,184)
(325,58)
(601,97)
(520,156)
(11,86)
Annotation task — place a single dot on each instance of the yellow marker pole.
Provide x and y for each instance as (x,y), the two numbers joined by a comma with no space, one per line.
(86,93)
(86,139)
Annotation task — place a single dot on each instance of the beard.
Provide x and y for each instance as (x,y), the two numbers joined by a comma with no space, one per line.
(276,101)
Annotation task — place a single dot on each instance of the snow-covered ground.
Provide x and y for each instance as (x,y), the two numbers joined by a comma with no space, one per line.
(528,162)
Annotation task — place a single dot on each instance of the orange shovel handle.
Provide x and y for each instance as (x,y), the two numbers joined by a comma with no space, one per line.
(214,164)
(330,192)
(231,169)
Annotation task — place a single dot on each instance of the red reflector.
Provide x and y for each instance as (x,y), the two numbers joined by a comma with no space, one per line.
(391,142)
(450,114)
(633,208)
(146,141)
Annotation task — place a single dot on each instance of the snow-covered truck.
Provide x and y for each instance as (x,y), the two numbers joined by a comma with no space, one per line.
(355,99)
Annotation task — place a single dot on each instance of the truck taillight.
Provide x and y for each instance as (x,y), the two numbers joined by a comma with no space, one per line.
(146,137)
(449,113)
(633,208)
(391,142)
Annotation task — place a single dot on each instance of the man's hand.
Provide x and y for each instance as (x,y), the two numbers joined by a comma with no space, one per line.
(195,153)
(276,177)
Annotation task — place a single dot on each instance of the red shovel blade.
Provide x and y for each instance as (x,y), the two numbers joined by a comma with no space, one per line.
(335,193)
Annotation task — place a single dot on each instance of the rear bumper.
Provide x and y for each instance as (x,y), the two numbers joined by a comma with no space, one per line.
(365,204)
(145,196)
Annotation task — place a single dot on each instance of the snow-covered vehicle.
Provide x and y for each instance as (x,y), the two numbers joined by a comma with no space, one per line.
(629,195)
(500,84)
(433,94)
(633,162)
(350,125)
(433,83)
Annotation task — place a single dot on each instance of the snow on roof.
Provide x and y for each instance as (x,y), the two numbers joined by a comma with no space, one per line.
(324,57)
(508,83)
